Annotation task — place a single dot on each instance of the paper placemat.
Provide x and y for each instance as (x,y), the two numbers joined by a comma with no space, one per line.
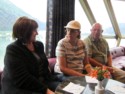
(73,88)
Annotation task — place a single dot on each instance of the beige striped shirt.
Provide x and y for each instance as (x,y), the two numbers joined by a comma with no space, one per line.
(74,54)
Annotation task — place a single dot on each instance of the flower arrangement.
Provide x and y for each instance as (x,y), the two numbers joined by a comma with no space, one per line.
(100,73)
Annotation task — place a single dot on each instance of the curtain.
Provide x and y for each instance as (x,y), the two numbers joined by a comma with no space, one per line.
(59,13)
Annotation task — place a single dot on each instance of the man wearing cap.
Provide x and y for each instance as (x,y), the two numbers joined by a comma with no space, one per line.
(71,53)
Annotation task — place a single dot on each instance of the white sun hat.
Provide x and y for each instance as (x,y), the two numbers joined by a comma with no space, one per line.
(73,25)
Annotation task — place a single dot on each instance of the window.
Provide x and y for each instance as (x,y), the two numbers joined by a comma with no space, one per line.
(118,6)
(10,10)
(81,17)
(101,16)
(122,43)
(111,42)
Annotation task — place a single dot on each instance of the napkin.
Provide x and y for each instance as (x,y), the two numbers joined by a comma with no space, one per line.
(89,79)
(117,89)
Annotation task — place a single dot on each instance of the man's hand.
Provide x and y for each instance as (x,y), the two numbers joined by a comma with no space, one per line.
(110,69)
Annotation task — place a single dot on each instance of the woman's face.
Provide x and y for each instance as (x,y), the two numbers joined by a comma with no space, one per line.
(72,34)
(33,36)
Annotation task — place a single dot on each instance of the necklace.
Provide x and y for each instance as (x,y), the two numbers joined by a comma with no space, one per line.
(75,48)
(74,45)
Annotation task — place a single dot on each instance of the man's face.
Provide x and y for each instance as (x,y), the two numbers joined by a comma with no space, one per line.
(96,31)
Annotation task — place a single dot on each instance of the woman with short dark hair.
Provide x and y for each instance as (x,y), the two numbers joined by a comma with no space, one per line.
(23,28)
(26,66)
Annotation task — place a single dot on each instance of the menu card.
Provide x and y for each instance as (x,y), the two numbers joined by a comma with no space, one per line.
(74,88)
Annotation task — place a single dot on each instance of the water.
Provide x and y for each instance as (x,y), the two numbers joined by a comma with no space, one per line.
(6,38)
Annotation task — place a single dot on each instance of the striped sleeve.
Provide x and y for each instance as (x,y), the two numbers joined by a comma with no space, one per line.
(85,48)
(60,49)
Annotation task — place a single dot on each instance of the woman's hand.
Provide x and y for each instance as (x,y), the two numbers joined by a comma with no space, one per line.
(88,68)
(49,92)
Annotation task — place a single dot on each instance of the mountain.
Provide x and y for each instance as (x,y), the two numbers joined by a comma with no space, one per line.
(110,30)
(9,13)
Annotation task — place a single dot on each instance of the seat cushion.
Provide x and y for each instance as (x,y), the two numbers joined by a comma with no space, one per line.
(117,51)
(52,62)
(119,62)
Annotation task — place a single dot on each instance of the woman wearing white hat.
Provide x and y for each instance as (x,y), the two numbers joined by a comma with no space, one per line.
(70,52)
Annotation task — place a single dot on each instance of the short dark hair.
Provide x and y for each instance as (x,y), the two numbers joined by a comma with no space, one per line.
(23,28)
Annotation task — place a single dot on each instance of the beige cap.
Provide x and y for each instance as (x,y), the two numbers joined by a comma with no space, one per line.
(73,25)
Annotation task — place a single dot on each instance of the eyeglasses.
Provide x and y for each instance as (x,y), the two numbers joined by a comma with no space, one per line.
(97,30)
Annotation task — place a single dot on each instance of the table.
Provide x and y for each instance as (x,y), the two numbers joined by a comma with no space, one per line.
(89,87)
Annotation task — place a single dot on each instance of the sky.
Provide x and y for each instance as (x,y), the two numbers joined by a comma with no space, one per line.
(81,17)
(100,13)
(36,8)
